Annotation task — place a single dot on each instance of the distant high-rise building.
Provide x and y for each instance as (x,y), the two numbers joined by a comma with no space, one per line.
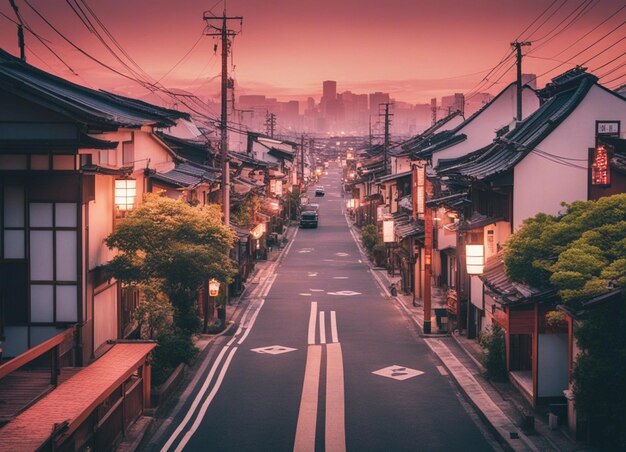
(329,90)
(376,99)
(530,80)
(454,103)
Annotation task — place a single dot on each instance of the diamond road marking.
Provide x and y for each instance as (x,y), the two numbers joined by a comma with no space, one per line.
(398,372)
(345,293)
(273,350)
(305,294)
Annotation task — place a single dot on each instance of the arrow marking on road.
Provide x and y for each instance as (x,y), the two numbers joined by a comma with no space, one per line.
(345,293)
(273,350)
(398,372)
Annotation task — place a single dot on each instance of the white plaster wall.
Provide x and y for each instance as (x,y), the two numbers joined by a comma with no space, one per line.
(481,131)
(476,292)
(454,122)
(100,221)
(445,238)
(552,365)
(540,184)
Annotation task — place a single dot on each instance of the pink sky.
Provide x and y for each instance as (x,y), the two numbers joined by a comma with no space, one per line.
(414,49)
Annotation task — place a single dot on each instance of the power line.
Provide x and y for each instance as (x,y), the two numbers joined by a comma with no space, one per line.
(582,51)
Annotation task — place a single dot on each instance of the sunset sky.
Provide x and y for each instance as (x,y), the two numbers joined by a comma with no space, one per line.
(414,49)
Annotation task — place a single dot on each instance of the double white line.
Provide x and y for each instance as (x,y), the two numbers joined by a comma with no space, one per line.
(245,326)
(335,407)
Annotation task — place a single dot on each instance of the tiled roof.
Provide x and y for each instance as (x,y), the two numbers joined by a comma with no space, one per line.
(515,145)
(501,288)
(194,150)
(73,399)
(248,160)
(404,226)
(82,104)
(391,177)
(187,175)
(477,221)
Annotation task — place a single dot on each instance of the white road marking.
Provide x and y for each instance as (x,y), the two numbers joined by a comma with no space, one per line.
(305,294)
(345,293)
(341,254)
(307,416)
(322,328)
(252,320)
(335,404)
(316,290)
(340,277)
(196,401)
(207,402)
(442,370)
(311,274)
(312,319)
(333,326)
(273,350)
(398,372)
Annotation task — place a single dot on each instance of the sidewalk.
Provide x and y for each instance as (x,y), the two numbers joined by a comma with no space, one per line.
(500,404)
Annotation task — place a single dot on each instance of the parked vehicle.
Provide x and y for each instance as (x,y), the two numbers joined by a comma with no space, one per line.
(309,219)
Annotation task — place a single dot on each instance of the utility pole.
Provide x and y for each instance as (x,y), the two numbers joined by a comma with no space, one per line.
(433,110)
(518,48)
(224,33)
(20,31)
(370,131)
(301,163)
(386,143)
(270,124)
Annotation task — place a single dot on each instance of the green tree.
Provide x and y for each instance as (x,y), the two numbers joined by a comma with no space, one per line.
(493,353)
(369,237)
(578,253)
(244,212)
(600,374)
(173,247)
(583,254)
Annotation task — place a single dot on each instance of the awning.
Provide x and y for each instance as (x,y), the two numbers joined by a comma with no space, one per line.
(75,399)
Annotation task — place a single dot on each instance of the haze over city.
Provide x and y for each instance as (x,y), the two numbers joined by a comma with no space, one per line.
(413,50)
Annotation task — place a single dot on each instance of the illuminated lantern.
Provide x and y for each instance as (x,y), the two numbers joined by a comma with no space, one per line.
(474,259)
(388,235)
(125,193)
(214,287)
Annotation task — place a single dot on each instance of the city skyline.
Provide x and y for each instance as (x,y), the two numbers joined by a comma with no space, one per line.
(418,50)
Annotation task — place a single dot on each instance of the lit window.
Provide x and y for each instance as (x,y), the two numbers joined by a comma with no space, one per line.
(125,193)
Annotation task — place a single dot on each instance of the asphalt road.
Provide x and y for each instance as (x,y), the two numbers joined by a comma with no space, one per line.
(323,360)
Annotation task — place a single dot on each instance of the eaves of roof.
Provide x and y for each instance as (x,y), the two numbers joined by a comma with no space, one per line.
(510,149)
(96,108)
(392,177)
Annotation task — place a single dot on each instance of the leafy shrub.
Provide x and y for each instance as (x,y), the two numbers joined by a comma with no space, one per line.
(175,347)
(369,237)
(493,355)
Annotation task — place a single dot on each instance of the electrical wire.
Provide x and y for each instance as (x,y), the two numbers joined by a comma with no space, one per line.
(609,62)
(583,51)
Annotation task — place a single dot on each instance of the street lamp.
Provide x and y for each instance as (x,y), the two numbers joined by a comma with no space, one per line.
(474,259)
(214,291)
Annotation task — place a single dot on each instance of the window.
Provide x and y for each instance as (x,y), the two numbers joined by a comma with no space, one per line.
(13,233)
(128,153)
(54,262)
